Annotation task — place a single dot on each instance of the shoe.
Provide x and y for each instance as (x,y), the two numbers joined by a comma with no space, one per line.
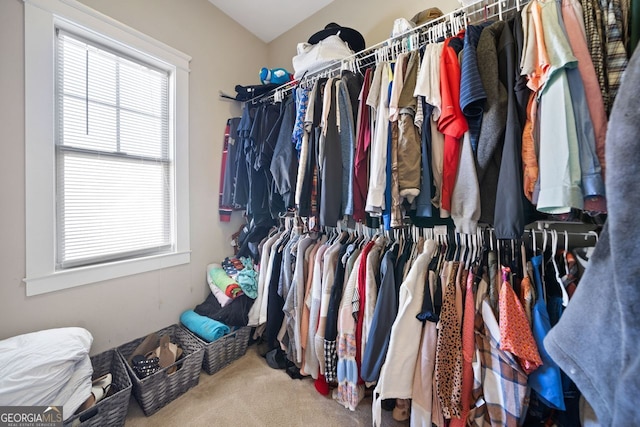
(99,389)
(149,343)
(166,352)
(100,386)
(175,367)
(144,366)
(276,359)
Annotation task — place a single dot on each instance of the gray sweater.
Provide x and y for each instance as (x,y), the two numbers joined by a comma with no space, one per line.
(597,341)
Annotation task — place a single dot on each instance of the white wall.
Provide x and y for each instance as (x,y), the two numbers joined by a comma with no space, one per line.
(372,18)
(224,54)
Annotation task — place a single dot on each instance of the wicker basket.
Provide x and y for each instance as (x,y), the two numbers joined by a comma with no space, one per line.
(224,350)
(112,410)
(160,388)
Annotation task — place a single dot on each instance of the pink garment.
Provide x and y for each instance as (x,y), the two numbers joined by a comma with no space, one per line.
(468,348)
(423,394)
(575,32)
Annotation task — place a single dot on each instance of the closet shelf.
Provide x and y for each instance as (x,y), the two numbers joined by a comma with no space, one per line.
(413,39)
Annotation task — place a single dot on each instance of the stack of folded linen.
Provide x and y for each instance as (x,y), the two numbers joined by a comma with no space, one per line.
(233,278)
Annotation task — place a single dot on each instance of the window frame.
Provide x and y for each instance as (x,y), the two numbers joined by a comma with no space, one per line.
(42,17)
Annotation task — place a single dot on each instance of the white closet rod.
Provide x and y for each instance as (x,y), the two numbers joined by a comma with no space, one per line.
(389,48)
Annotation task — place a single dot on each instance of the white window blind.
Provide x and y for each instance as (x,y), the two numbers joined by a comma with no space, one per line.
(114,170)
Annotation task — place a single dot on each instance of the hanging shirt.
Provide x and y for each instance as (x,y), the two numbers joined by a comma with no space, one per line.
(515,333)
(306,307)
(408,135)
(379,99)
(363,142)
(330,160)
(465,199)
(331,327)
(452,122)
(284,164)
(350,85)
(472,94)
(423,201)
(559,162)
(509,218)
(448,368)
(616,52)
(349,392)
(545,380)
(312,364)
(385,312)
(572,16)
(302,101)
(501,374)
(397,373)
(468,350)
(422,397)
(494,121)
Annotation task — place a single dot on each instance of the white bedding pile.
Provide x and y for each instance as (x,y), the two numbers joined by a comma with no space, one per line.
(47,368)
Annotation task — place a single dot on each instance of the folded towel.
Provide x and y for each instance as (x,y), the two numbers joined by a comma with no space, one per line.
(219,278)
(204,327)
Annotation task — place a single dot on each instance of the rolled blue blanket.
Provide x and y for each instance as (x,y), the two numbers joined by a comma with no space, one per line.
(204,327)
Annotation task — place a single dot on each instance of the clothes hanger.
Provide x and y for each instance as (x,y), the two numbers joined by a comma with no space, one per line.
(566,250)
(491,239)
(544,247)
(467,250)
(534,248)
(515,254)
(554,246)
(474,246)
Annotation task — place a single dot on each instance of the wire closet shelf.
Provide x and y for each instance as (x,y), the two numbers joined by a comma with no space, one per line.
(413,39)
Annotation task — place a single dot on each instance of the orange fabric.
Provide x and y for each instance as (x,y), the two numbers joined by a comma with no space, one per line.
(468,348)
(529,158)
(452,122)
(526,296)
(515,332)
(541,73)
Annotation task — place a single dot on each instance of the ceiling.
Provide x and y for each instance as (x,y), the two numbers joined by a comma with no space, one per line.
(277,18)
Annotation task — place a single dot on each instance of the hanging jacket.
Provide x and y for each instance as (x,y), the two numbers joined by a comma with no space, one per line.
(597,340)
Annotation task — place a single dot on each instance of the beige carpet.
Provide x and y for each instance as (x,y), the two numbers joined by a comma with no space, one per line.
(250,393)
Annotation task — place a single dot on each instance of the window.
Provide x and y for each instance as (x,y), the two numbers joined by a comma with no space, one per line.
(106,149)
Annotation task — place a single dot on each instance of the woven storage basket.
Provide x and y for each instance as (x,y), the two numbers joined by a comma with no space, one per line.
(160,388)
(112,410)
(224,350)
